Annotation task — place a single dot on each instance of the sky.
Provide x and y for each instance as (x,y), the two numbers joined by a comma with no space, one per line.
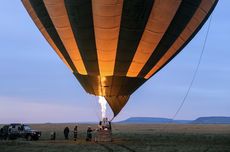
(36,86)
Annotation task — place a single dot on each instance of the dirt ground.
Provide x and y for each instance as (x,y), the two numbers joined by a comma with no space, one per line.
(129,138)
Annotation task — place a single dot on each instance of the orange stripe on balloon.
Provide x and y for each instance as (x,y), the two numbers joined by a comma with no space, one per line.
(161,16)
(193,24)
(59,17)
(106,19)
(40,26)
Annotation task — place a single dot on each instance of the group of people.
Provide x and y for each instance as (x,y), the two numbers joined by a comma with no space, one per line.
(66,133)
(105,125)
(75,133)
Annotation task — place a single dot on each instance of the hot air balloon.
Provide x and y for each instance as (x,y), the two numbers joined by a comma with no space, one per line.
(114,46)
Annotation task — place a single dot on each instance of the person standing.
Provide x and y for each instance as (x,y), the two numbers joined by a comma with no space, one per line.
(1,133)
(75,133)
(66,133)
(53,135)
(89,134)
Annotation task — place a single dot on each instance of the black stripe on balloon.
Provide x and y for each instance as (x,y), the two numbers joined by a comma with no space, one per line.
(191,37)
(135,14)
(41,12)
(81,20)
(182,17)
(85,83)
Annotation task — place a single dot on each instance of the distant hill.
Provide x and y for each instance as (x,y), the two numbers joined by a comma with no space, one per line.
(152,120)
(212,120)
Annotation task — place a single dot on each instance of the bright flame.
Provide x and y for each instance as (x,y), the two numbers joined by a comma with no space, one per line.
(102,103)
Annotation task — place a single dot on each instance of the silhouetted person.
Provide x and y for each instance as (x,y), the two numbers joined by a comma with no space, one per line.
(75,133)
(1,133)
(110,126)
(89,134)
(53,135)
(66,133)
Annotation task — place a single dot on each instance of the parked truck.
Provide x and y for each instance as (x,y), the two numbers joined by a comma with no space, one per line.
(14,131)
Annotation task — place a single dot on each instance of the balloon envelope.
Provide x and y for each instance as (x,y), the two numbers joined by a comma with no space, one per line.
(114,46)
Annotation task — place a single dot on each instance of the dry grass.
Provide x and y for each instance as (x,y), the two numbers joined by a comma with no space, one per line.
(131,137)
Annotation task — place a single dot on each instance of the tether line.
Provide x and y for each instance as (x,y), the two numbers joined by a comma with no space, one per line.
(195,72)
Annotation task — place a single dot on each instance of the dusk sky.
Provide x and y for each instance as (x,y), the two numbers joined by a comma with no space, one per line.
(36,86)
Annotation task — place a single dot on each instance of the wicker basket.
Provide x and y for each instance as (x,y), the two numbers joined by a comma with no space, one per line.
(103,136)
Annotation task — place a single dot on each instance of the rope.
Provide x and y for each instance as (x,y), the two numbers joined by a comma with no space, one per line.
(196,70)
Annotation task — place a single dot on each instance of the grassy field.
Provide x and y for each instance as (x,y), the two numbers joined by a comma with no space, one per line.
(130,138)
